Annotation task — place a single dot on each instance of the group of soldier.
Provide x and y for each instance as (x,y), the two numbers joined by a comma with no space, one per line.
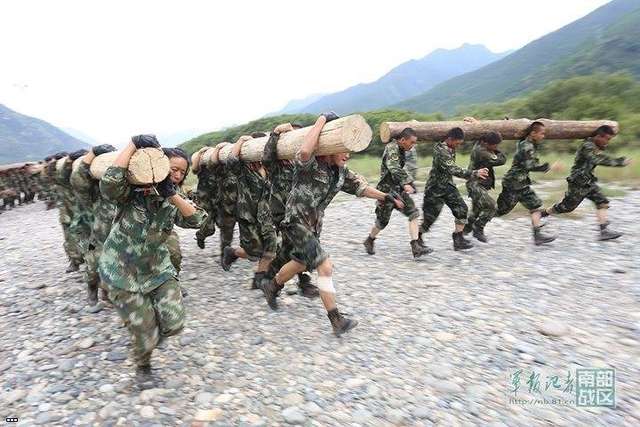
(124,233)
(20,184)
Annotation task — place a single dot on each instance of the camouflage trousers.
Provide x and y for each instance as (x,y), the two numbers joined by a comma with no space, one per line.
(576,194)
(150,317)
(208,227)
(483,207)
(258,238)
(71,244)
(175,254)
(301,245)
(509,198)
(435,198)
(91,257)
(226,222)
(384,210)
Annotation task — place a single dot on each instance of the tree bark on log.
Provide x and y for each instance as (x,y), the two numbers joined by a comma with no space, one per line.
(509,129)
(146,166)
(347,134)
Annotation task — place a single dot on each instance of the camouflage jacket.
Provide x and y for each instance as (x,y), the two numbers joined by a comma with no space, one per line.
(253,191)
(315,185)
(524,161)
(587,158)
(65,193)
(393,176)
(444,167)
(208,188)
(102,209)
(411,163)
(481,157)
(135,257)
(281,174)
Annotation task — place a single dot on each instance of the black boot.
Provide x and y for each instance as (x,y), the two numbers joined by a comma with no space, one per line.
(257,280)
(478,233)
(539,238)
(228,258)
(606,234)
(468,227)
(92,294)
(418,248)
(369,245)
(459,242)
(307,289)
(73,267)
(199,240)
(271,290)
(339,323)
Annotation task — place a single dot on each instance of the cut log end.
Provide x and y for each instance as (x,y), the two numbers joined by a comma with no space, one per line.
(148,166)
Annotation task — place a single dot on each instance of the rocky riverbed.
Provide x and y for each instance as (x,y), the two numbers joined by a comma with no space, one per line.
(438,343)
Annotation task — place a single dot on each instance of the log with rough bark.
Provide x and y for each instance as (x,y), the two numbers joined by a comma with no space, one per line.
(509,129)
(347,134)
(146,166)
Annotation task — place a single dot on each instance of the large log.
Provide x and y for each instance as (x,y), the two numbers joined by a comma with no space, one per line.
(146,166)
(347,134)
(509,129)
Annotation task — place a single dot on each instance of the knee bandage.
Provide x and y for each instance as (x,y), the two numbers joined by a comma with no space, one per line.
(325,284)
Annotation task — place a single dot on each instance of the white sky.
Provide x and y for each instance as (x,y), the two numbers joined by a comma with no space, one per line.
(112,69)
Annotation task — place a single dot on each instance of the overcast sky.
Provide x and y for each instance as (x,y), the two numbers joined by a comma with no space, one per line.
(114,68)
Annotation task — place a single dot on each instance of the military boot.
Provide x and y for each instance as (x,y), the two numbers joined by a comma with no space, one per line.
(228,258)
(199,240)
(307,289)
(459,242)
(478,233)
(339,323)
(257,280)
(369,245)
(419,249)
(539,238)
(73,267)
(271,290)
(92,294)
(606,234)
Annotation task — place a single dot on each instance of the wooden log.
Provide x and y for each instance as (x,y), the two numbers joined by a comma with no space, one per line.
(76,163)
(60,163)
(509,129)
(347,134)
(146,166)
(101,163)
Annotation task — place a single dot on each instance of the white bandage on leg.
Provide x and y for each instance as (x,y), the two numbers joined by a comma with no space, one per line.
(325,284)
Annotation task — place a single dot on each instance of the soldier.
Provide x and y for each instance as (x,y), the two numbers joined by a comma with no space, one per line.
(228,190)
(394,178)
(207,196)
(582,183)
(440,189)
(281,172)
(82,216)
(485,154)
(135,264)
(66,212)
(102,210)
(316,181)
(258,240)
(516,184)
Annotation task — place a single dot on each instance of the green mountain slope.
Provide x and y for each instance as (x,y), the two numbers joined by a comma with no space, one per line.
(24,138)
(606,40)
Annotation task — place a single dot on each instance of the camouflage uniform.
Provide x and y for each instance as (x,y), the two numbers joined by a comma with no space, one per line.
(135,264)
(257,233)
(411,163)
(228,187)
(82,218)
(440,189)
(207,195)
(516,184)
(66,197)
(483,207)
(315,185)
(103,211)
(393,177)
(582,182)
